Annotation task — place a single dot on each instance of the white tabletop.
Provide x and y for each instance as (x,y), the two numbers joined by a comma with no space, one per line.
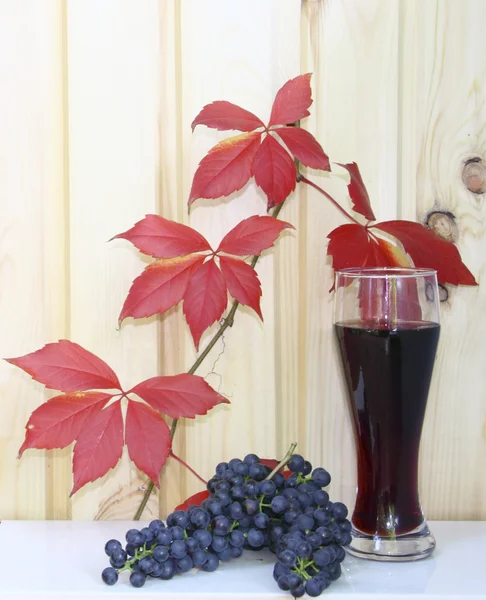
(64,559)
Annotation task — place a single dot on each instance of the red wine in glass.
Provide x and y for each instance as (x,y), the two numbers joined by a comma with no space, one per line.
(386,322)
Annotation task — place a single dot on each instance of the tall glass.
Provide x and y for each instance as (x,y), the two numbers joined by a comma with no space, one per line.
(387,324)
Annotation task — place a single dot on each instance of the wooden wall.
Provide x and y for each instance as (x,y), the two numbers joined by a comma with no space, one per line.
(95,112)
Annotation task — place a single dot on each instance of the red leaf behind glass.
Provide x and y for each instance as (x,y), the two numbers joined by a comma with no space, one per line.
(67,367)
(430,251)
(304,146)
(351,245)
(223,115)
(58,422)
(160,286)
(252,236)
(226,168)
(242,282)
(162,238)
(99,446)
(182,395)
(357,191)
(292,101)
(147,436)
(274,171)
(205,299)
(195,500)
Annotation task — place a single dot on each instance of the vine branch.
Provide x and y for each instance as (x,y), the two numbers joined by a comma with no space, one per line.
(228,322)
(334,202)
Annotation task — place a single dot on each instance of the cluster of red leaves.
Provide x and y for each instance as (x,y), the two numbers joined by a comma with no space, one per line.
(230,164)
(260,151)
(186,269)
(93,419)
(356,245)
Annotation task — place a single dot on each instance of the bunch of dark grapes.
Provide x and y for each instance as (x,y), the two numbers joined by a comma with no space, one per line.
(290,514)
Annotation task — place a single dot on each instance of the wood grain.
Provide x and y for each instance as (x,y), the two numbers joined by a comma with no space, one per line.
(113,87)
(95,133)
(32,243)
(355,118)
(442,126)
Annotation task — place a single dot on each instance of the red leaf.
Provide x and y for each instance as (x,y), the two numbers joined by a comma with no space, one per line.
(430,251)
(68,367)
(195,500)
(242,282)
(205,299)
(57,423)
(274,171)
(147,436)
(160,286)
(178,396)
(357,191)
(271,463)
(252,236)
(226,168)
(223,115)
(162,238)
(351,245)
(292,101)
(304,147)
(99,446)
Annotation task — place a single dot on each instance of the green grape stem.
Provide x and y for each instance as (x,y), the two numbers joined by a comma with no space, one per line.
(284,460)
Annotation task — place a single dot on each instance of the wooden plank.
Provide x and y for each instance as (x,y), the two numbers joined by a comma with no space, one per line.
(352,48)
(259,55)
(442,116)
(113,58)
(172,205)
(32,243)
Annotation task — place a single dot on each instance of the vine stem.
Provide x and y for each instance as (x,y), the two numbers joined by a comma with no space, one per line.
(227,322)
(284,460)
(188,467)
(334,202)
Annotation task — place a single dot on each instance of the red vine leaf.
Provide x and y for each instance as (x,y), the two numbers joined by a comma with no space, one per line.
(357,191)
(99,446)
(226,168)
(352,245)
(304,146)
(178,396)
(163,238)
(242,282)
(428,250)
(292,101)
(223,115)
(58,422)
(205,299)
(160,286)
(396,256)
(147,436)
(194,500)
(67,367)
(271,463)
(274,171)
(252,235)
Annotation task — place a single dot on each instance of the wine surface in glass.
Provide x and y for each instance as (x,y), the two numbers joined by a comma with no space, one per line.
(388,375)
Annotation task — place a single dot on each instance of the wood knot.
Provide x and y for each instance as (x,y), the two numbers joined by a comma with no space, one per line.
(444,225)
(474,175)
(443,293)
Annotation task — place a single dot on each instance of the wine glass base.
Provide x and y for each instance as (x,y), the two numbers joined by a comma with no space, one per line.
(415,545)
